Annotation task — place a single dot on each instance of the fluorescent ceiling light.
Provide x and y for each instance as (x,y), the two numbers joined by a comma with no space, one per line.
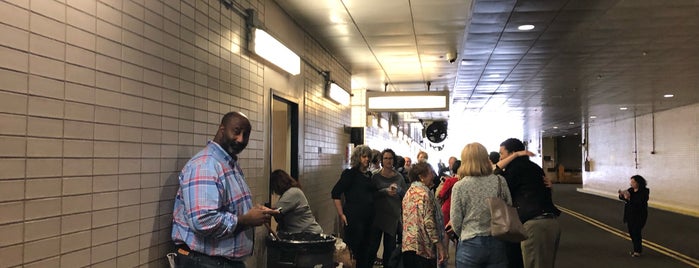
(623,108)
(338,94)
(525,27)
(275,52)
(668,95)
(407,101)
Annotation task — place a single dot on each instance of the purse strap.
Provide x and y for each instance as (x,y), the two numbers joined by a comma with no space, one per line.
(500,188)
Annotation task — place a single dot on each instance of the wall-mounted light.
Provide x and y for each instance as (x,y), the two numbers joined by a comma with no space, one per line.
(335,92)
(273,51)
(338,94)
(407,101)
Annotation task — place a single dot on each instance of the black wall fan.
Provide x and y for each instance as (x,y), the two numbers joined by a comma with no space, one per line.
(436,132)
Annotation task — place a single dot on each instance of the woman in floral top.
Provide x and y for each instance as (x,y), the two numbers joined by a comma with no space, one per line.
(423,225)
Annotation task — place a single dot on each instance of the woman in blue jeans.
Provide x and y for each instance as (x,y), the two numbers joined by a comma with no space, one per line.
(470,215)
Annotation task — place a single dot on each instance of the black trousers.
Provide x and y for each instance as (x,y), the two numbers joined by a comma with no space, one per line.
(191,259)
(636,237)
(358,239)
(412,260)
(514,255)
(389,244)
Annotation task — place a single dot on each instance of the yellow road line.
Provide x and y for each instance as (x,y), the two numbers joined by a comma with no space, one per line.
(658,248)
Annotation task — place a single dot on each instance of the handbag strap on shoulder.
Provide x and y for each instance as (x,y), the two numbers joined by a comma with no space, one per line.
(500,188)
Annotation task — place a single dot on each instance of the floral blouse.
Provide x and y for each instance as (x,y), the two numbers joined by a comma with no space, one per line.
(423,225)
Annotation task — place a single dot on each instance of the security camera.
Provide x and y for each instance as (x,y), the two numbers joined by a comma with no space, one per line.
(451,57)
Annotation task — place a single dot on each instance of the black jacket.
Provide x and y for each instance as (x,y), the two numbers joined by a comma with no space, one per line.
(358,191)
(529,194)
(636,208)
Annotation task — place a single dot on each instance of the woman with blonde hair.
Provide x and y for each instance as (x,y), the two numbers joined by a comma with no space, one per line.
(470,214)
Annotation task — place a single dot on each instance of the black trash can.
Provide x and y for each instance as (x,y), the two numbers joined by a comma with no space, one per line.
(308,250)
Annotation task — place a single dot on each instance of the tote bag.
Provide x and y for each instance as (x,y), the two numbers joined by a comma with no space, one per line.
(504,220)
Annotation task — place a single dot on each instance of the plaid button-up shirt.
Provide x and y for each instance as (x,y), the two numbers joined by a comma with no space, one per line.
(212,195)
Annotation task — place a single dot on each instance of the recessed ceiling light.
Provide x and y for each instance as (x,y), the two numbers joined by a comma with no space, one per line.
(555,127)
(593,116)
(623,108)
(668,95)
(571,123)
(525,27)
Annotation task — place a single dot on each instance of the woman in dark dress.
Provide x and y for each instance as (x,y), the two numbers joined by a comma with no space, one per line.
(390,188)
(357,211)
(635,211)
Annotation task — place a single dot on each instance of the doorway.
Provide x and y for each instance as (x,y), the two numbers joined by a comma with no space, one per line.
(284,131)
(284,146)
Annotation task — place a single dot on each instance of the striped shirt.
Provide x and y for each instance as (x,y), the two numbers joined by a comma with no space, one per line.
(212,195)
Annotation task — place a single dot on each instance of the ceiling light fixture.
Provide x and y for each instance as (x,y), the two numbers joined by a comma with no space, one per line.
(668,95)
(525,27)
(273,51)
(407,101)
(623,108)
(593,116)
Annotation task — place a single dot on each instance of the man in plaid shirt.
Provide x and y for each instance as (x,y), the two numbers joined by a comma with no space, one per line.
(213,216)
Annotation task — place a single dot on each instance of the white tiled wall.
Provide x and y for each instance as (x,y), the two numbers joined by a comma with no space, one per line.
(102,102)
(671,171)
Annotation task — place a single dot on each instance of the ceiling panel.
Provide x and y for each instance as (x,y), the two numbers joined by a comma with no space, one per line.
(583,58)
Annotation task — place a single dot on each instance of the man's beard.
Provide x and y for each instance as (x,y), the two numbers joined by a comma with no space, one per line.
(233,148)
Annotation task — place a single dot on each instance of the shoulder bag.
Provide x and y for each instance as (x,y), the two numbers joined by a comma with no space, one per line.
(504,220)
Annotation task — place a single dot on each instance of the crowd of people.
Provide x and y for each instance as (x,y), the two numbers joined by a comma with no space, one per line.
(415,211)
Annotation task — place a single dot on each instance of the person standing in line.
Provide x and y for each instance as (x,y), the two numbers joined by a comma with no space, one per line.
(213,214)
(375,162)
(422,156)
(471,214)
(423,231)
(295,214)
(406,168)
(635,210)
(444,194)
(494,157)
(534,204)
(387,207)
(357,212)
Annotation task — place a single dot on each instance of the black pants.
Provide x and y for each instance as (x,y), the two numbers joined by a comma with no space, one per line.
(412,260)
(389,244)
(357,237)
(514,255)
(192,259)
(635,233)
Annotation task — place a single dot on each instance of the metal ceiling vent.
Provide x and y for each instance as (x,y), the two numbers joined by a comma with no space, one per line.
(436,132)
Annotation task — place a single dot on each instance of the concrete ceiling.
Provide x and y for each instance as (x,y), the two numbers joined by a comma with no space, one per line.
(583,58)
